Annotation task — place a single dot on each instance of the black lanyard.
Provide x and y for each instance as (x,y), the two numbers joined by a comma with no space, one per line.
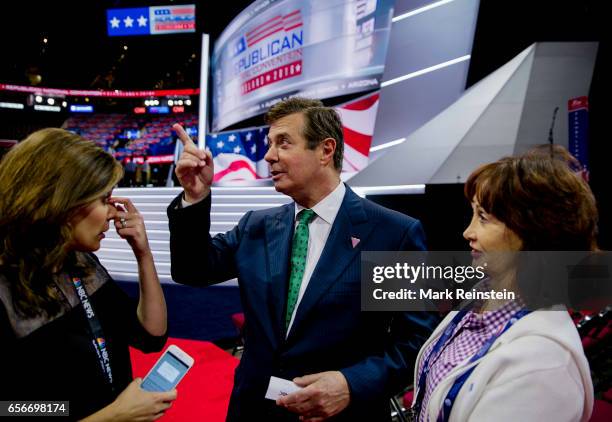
(98,340)
(449,401)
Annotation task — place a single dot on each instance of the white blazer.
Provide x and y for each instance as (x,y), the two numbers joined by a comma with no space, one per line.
(535,371)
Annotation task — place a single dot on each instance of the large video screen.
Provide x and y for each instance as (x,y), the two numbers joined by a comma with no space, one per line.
(313,48)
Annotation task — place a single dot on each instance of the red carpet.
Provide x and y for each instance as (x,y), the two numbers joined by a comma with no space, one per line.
(203,395)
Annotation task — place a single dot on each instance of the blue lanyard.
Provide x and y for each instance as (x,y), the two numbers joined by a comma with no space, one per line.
(456,387)
(98,340)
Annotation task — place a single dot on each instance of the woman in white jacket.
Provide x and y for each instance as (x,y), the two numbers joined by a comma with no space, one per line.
(496,361)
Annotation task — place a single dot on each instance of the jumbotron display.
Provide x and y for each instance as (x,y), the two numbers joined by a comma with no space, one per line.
(314,48)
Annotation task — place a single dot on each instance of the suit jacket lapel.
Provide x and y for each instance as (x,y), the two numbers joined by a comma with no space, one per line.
(338,252)
(279,230)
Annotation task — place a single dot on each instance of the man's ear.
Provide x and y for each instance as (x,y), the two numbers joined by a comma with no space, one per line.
(328,148)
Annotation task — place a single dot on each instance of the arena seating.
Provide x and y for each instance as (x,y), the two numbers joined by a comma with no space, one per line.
(125,135)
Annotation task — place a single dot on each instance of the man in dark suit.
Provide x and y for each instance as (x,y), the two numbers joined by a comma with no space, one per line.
(298,267)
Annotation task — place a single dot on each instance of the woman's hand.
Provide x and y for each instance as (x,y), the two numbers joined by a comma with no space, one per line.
(135,404)
(130,226)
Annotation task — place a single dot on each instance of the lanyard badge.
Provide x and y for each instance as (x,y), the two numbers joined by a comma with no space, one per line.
(449,401)
(98,340)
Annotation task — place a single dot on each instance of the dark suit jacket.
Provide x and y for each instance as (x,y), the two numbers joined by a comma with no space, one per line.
(374,351)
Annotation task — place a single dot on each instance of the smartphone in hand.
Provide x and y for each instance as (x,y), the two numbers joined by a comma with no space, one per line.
(169,369)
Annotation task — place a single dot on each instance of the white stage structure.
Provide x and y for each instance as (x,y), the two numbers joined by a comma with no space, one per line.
(506,113)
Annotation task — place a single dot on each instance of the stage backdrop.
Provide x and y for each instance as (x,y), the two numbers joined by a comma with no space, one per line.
(239,155)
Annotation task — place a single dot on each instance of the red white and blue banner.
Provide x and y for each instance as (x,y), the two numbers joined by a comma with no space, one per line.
(239,155)
(151,20)
(313,48)
(358,118)
(578,137)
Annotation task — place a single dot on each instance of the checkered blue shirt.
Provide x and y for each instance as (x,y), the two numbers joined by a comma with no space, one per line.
(471,333)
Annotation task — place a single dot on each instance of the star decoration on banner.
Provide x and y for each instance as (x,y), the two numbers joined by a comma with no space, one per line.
(114,22)
(242,158)
(142,21)
(128,21)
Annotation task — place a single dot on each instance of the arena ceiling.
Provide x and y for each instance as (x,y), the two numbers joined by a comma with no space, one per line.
(79,54)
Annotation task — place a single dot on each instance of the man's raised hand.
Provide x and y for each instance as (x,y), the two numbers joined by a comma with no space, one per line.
(194,168)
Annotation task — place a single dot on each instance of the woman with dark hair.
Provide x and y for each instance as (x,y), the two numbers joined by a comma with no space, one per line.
(65,326)
(497,360)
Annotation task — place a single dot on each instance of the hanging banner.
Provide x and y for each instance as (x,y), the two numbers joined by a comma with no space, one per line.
(150,20)
(578,121)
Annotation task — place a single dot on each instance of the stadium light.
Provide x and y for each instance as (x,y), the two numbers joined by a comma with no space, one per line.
(170,102)
(50,101)
(38,99)
(188,102)
(420,10)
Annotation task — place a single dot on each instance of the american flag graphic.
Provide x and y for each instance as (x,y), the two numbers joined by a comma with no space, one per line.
(239,155)
(278,23)
(174,18)
(358,118)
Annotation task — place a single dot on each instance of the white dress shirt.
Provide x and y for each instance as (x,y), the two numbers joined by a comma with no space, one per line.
(319,228)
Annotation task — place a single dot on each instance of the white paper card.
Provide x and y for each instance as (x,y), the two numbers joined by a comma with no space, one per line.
(279,387)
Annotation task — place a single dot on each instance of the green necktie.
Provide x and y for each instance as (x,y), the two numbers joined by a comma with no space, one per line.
(299,251)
